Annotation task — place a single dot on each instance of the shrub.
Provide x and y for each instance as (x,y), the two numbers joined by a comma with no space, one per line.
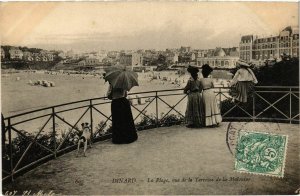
(171,119)
(146,122)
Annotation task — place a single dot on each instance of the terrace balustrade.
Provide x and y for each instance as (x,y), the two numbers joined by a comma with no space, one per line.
(37,136)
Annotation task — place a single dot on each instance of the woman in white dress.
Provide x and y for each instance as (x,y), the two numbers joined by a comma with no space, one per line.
(244,80)
(211,109)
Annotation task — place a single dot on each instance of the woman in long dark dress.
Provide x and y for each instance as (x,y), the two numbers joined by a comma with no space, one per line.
(123,128)
(194,109)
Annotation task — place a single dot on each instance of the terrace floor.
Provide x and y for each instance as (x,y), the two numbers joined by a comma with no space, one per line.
(169,153)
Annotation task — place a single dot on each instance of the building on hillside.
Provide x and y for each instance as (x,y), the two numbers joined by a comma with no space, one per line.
(133,59)
(27,56)
(185,49)
(264,49)
(172,57)
(47,54)
(62,55)
(246,47)
(260,49)
(91,61)
(36,57)
(194,55)
(289,41)
(224,58)
(81,63)
(107,60)
(43,58)
(2,53)
(15,53)
(295,42)
(205,52)
(113,54)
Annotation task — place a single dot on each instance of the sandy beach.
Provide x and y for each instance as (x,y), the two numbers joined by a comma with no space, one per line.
(18,96)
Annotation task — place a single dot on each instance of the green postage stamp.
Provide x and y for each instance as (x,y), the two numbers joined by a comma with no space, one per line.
(261,153)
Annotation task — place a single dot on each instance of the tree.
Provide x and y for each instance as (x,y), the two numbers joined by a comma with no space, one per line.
(283,73)
(161,59)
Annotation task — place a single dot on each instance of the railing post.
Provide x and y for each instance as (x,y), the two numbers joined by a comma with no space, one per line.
(10,150)
(253,105)
(54,131)
(220,98)
(290,106)
(156,97)
(91,120)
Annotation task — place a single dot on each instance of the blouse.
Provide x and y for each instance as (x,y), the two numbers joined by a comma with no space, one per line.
(192,86)
(116,93)
(207,83)
(244,74)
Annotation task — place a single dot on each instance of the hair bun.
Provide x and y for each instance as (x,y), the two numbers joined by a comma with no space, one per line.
(192,70)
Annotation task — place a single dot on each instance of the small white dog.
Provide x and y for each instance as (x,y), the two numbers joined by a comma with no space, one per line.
(84,138)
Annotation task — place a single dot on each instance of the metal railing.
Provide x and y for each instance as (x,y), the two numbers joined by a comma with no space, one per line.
(24,149)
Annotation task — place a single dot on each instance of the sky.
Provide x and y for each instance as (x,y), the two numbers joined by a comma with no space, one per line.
(89,26)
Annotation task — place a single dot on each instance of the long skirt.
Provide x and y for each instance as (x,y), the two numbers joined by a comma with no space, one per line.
(211,109)
(194,110)
(243,88)
(123,128)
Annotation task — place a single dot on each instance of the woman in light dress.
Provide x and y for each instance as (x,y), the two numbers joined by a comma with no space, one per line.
(244,80)
(194,110)
(212,113)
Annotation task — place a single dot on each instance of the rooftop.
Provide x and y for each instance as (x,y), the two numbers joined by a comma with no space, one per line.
(174,152)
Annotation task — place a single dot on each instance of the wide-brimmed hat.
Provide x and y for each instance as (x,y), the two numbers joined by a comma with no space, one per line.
(192,69)
(243,63)
(207,68)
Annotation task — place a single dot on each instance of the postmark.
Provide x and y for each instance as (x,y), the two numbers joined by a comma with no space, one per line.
(260,153)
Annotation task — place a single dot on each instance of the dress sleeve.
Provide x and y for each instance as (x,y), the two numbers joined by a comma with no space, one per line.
(253,76)
(235,78)
(187,87)
(212,83)
(200,86)
(109,92)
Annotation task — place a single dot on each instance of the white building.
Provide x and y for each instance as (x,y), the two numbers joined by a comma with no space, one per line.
(27,56)
(134,59)
(225,58)
(172,57)
(2,53)
(15,53)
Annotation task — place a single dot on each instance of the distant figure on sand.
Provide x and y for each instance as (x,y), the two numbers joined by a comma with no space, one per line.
(243,82)
(194,109)
(211,109)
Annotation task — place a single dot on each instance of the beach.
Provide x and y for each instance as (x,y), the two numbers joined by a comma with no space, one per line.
(19,96)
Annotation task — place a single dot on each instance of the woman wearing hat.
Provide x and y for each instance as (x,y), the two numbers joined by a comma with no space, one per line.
(194,110)
(244,79)
(211,109)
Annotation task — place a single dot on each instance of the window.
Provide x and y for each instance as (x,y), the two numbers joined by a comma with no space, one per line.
(222,63)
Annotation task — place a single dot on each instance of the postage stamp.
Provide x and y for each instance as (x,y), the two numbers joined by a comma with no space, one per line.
(260,153)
